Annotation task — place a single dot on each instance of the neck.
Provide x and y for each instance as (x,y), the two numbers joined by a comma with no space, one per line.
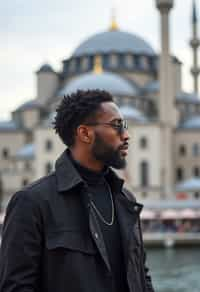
(86,160)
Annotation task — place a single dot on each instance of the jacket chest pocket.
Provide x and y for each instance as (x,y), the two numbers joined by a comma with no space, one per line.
(70,241)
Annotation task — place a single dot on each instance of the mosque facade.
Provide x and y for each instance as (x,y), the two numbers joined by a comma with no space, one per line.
(164,121)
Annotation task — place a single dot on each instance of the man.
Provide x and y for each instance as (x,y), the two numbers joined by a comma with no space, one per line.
(77,229)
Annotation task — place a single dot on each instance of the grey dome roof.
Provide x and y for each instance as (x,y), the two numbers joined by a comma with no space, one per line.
(110,82)
(45,68)
(114,41)
(132,113)
(188,97)
(191,123)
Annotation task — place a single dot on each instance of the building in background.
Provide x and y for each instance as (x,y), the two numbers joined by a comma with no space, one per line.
(164,121)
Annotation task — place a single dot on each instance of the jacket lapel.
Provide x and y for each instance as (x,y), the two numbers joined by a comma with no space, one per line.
(94,226)
(128,215)
(98,237)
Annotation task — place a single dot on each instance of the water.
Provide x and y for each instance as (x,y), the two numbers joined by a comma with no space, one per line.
(175,270)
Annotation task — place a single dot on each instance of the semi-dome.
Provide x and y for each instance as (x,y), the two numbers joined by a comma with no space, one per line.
(114,41)
(191,123)
(188,97)
(132,113)
(110,82)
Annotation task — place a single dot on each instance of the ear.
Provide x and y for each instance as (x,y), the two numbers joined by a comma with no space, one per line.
(85,134)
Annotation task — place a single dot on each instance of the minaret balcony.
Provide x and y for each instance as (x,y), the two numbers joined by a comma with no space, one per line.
(164,5)
(195,43)
(195,71)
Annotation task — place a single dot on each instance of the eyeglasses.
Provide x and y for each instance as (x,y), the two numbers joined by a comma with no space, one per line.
(120,126)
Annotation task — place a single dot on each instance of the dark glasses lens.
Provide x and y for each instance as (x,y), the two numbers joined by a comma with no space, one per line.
(122,126)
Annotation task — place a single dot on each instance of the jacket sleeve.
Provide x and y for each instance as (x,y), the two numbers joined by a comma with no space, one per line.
(20,252)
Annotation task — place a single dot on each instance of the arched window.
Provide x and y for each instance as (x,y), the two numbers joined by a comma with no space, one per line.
(48,168)
(179,174)
(84,63)
(144,173)
(129,61)
(196,195)
(72,65)
(113,61)
(196,171)
(143,142)
(5,153)
(27,165)
(182,150)
(24,182)
(48,145)
(195,149)
(144,195)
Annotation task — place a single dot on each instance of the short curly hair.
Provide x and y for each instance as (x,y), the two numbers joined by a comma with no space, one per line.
(75,109)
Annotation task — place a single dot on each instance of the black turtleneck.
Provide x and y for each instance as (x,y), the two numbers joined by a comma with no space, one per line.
(100,191)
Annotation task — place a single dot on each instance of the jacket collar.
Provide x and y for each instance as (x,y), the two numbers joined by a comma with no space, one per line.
(68,177)
(66,174)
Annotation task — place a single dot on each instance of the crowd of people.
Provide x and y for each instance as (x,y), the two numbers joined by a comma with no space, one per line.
(180,226)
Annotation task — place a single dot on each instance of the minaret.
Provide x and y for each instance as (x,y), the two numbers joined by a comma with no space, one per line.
(166,102)
(195,43)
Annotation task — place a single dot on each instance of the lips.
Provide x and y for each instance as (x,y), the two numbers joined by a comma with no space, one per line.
(124,149)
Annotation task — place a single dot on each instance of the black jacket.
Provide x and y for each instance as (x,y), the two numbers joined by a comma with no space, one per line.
(52,241)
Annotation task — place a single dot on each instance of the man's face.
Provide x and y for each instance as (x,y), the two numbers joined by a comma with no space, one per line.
(110,145)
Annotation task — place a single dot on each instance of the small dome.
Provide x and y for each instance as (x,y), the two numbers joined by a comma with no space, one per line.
(114,41)
(132,113)
(8,126)
(110,82)
(188,97)
(45,68)
(26,152)
(191,123)
(28,105)
(192,184)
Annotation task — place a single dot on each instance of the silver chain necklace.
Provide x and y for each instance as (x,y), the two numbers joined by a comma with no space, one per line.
(112,206)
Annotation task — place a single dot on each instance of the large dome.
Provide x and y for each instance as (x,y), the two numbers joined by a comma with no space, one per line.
(110,82)
(114,41)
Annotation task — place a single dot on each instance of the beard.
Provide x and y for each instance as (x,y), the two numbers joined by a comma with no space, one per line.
(107,154)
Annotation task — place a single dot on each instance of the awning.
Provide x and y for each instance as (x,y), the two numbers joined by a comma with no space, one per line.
(169,214)
(148,214)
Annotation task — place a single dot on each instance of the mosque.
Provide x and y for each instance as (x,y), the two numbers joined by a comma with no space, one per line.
(164,121)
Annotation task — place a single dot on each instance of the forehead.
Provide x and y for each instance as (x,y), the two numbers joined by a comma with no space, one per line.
(108,111)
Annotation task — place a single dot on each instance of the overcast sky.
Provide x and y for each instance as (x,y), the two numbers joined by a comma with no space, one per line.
(36,32)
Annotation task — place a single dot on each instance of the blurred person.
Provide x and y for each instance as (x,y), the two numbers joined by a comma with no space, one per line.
(78,229)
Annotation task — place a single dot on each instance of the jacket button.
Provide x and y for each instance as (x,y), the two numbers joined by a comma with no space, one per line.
(96,235)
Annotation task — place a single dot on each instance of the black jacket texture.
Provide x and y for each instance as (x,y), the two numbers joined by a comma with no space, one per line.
(52,241)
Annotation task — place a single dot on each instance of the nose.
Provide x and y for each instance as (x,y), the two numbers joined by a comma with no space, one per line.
(125,135)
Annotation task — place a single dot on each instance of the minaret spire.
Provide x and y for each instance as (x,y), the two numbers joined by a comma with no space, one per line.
(114,26)
(195,43)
